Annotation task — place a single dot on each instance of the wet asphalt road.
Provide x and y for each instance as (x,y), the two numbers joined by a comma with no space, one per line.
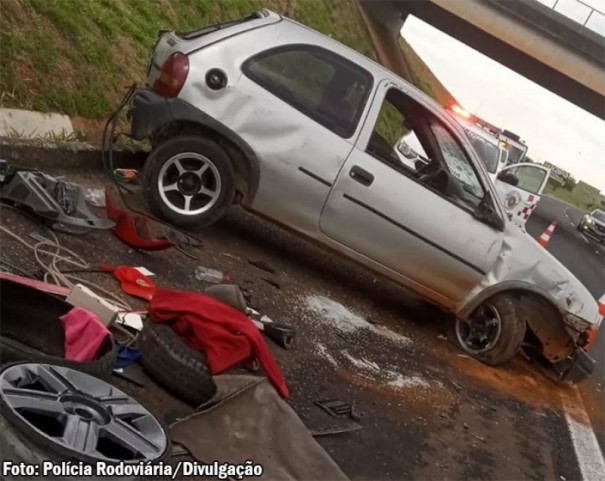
(428,412)
(585,258)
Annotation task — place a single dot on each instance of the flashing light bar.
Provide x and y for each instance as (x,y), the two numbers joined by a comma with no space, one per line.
(460,111)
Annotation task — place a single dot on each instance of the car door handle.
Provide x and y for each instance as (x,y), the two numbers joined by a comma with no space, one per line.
(362,176)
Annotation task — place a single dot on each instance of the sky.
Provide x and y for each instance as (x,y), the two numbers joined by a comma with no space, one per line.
(554,129)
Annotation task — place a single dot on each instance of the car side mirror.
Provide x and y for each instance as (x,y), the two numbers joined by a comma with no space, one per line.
(486,212)
(508,178)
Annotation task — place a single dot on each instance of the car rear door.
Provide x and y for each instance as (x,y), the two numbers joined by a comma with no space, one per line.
(521,200)
(379,209)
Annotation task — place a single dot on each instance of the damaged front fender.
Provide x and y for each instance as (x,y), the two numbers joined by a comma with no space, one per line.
(526,267)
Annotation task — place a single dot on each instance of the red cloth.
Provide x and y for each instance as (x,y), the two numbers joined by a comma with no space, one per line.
(227,336)
(84,335)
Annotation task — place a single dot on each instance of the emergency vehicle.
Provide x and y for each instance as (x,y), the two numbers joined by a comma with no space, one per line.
(520,184)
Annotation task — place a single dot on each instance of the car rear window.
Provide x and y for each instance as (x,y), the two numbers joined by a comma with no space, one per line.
(321,84)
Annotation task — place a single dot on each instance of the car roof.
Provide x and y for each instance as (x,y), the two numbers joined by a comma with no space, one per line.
(475,129)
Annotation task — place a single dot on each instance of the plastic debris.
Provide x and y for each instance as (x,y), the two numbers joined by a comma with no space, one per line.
(212,276)
(126,175)
(95,197)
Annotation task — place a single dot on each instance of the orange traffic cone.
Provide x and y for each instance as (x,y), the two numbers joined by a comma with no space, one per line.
(545,237)
(592,332)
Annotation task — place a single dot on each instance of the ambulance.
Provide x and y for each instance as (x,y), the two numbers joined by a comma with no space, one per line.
(520,184)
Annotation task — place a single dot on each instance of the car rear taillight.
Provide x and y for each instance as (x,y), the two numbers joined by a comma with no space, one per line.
(172,75)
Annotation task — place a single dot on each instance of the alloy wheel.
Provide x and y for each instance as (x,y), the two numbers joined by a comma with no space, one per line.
(189,183)
(79,414)
(481,332)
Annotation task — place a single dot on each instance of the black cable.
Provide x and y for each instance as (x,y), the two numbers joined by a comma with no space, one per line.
(23,212)
(17,269)
(107,158)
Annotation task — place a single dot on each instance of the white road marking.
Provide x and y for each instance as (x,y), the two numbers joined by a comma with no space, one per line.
(566,212)
(585,239)
(588,453)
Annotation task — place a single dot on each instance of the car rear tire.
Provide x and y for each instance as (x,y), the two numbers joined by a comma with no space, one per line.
(494,332)
(189,181)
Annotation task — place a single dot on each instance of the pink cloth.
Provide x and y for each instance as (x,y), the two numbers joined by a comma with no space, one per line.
(84,335)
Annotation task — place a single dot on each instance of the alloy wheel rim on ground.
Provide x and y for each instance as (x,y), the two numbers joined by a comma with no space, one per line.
(189,183)
(79,414)
(482,331)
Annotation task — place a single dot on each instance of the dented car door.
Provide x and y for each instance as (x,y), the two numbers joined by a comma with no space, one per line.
(383,210)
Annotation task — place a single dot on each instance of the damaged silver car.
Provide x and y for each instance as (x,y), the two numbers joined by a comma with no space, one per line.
(302,130)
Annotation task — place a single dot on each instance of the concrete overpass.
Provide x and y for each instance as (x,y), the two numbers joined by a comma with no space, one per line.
(524,35)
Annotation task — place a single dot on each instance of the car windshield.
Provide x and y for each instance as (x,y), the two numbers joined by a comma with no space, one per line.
(599,215)
(514,155)
(487,152)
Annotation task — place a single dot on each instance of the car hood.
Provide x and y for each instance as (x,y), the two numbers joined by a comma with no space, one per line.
(523,263)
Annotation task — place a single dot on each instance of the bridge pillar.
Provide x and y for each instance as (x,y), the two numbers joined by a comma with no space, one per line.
(383,29)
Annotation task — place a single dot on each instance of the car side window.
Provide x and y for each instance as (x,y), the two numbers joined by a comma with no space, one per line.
(324,86)
(410,139)
(530,178)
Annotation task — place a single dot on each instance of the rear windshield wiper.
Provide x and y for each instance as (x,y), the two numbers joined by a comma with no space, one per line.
(192,34)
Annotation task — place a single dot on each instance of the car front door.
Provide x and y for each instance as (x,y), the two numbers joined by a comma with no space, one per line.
(416,222)
(521,199)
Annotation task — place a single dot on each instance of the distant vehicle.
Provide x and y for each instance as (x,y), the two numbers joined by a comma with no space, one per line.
(593,225)
(517,149)
(303,130)
(519,185)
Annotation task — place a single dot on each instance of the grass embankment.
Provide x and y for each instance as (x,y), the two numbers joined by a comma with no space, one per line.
(573,198)
(76,57)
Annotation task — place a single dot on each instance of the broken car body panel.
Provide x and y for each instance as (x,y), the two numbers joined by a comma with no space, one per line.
(533,268)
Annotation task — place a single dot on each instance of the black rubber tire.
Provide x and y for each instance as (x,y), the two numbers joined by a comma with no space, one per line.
(511,336)
(32,331)
(186,143)
(580,226)
(15,351)
(168,359)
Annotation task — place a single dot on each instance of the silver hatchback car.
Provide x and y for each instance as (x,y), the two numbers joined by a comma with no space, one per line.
(302,130)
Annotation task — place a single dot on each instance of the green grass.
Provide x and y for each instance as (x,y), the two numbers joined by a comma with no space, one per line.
(77,57)
(573,198)
(62,136)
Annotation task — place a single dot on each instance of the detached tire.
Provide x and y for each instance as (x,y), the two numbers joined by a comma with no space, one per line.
(189,181)
(30,330)
(494,333)
(180,369)
(15,351)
